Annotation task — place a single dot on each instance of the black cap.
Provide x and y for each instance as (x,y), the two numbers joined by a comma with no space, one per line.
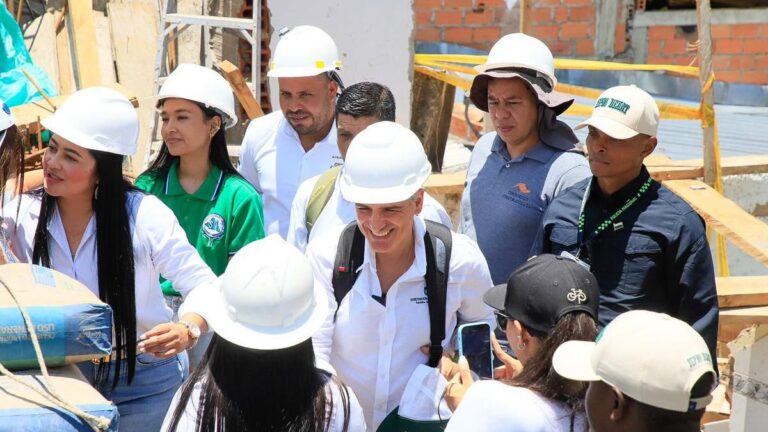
(545,288)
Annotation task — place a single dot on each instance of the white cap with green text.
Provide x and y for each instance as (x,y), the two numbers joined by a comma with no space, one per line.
(624,111)
(651,357)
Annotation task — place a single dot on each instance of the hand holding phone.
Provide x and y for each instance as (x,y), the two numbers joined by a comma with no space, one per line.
(475,346)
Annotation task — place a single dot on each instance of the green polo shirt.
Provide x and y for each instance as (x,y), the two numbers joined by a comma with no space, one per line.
(222,216)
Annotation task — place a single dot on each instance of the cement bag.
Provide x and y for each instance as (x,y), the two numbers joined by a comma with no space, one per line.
(23,410)
(71,323)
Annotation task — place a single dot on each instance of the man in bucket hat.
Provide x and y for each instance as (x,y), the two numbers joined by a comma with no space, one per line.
(646,247)
(516,171)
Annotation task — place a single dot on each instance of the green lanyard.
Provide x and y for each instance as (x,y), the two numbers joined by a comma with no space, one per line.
(608,222)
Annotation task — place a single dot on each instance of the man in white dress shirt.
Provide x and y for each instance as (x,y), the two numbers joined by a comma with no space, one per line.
(374,336)
(286,147)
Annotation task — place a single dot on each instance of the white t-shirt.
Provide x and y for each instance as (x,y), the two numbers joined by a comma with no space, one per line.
(188,421)
(492,406)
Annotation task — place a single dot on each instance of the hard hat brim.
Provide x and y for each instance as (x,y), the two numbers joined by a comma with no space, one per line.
(478,93)
(360,194)
(298,72)
(263,338)
(230,118)
(70,133)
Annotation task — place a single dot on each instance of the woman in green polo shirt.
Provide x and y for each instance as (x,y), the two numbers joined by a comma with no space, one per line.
(192,174)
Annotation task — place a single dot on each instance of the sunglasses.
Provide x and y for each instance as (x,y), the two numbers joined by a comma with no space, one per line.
(502,320)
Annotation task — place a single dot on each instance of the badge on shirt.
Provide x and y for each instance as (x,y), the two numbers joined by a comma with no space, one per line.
(214,226)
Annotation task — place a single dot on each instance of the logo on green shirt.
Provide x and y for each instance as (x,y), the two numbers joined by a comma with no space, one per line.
(214,226)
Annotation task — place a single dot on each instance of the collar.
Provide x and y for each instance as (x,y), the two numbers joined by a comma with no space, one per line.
(622,195)
(541,152)
(208,191)
(56,229)
(419,266)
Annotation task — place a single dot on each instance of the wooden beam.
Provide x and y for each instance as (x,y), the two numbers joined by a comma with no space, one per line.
(66,82)
(86,47)
(431,108)
(242,92)
(734,320)
(741,291)
(725,217)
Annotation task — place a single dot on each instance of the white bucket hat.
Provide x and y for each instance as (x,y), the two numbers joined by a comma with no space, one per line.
(651,357)
(97,118)
(267,298)
(622,112)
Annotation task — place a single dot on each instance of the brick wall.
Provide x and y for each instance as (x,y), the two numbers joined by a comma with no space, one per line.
(568,28)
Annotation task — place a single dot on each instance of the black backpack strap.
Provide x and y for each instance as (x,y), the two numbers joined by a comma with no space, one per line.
(438,243)
(349,256)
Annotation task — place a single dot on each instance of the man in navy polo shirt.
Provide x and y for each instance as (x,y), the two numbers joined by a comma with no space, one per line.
(517,170)
(647,248)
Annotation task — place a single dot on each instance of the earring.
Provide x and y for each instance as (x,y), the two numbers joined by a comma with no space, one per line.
(96,193)
(520,344)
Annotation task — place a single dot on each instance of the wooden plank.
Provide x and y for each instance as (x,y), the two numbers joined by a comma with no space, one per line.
(725,217)
(64,55)
(41,42)
(104,44)
(84,38)
(242,92)
(734,320)
(134,41)
(431,108)
(452,183)
(740,291)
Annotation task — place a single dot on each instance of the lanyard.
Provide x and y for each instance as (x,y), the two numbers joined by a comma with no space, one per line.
(608,222)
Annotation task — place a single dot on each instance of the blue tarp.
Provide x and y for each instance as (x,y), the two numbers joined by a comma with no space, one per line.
(15,87)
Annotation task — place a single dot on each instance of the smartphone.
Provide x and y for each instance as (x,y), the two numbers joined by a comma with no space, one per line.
(475,345)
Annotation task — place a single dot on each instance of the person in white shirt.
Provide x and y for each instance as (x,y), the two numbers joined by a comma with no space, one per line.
(375,337)
(359,106)
(548,300)
(91,224)
(286,147)
(259,372)
(11,155)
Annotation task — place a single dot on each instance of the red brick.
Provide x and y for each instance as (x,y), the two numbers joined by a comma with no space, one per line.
(655,46)
(561,14)
(585,48)
(741,62)
(545,32)
(728,46)
(745,30)
(583,13)
(657,59)
(764,30)
(728,76)
(560,48)
(457,4)
(719,31)
(486,34)
(754,77)
(575,30)
(761,61)
(427,3)
(491,3)
(423,18)
(428,35)
(485,17)
(662,32)
(721,62)
(755,46)
(448,18)
(675,46)
(580,2)
(541,3)
(540,15)
(502,14)
(458,35)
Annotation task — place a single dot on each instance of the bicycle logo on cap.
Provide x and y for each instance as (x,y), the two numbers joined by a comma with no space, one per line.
(576,295)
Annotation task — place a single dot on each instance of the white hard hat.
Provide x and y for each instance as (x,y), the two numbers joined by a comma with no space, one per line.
(267,298)
(6,118)
(385,164)
(203,85)
(97,118)
(303,52)
(518,50)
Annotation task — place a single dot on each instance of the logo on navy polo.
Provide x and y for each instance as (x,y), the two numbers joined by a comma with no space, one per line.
(214,226)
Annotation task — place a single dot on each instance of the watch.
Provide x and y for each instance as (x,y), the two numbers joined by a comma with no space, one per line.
(194,332)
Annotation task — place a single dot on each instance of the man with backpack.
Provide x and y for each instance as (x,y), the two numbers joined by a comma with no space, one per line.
(395,283)
(318,206)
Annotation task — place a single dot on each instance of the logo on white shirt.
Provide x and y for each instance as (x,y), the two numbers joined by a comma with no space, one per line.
(214,226)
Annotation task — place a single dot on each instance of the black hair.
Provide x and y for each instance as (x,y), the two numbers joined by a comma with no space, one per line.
(367,99)
(660,419)
(538,374)
(11,160)
(260,390)
(114,248)
(217,153)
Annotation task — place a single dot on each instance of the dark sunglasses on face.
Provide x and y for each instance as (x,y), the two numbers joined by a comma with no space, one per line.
(501,320)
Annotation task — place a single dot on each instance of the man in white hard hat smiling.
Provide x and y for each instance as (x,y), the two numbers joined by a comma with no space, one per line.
(376,330)
(286,147)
